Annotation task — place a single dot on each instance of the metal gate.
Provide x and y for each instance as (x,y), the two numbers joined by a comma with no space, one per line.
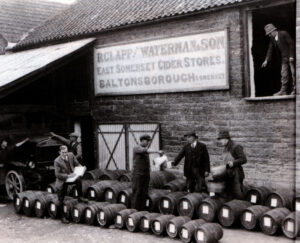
(116,142)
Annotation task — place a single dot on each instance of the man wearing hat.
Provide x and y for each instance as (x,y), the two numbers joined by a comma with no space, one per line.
(73,144)
(141,172)
(196,164)
(284,44)
(234,157)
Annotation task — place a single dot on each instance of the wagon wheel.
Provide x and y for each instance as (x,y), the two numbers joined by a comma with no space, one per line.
(14,183)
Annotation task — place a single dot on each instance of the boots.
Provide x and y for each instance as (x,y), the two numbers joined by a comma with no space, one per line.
(282,91)
(293,89)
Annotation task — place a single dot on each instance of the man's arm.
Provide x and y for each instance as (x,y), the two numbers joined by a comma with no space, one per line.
(239,156)
(60,138)
(58,172)
(179,157)
(78,151)
(269,54)
(291,44)
(206,160)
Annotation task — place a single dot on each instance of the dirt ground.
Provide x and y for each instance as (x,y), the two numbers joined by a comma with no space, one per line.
(18,228)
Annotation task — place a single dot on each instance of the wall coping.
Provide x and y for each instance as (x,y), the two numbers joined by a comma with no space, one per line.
(275,98)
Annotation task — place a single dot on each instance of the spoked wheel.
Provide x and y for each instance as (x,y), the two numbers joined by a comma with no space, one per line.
(14,183)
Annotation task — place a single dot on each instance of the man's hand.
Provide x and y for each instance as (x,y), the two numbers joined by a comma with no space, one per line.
(230,164)
(71,175)
(264,64)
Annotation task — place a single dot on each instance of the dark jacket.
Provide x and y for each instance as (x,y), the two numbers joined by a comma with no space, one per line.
(141,161)
(62,170)
(285,45)
(196,160)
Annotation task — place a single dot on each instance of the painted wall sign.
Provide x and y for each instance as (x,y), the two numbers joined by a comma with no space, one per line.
(186,63)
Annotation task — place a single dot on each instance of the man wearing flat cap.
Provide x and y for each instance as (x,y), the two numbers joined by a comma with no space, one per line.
(196,164)
(73,144)
(234,157)
(141,172)
(284,44)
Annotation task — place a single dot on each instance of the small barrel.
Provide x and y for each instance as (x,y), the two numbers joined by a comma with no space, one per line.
(230,212)
(187,230)
(55,209)
(96,191)
(85,186)
(18,200)
(125,177)
(112,174)
(208,233)
(279,199)
(93,174)
(291,225)
(168,203)
(91,211)
(153,198)
(67,207)
(209,207)
(270,222)
(188,205)
(250,216)
(111,193)
(29,202)
(175,224)
(134,220)
(218,173)
(124,197)
(107,214)
(257,195)
(147,220)
(78,212)
(51,188)
(176,185)
(159,224)
(121,217)
(216,186)
(159,178)
(297,204)
(41,204)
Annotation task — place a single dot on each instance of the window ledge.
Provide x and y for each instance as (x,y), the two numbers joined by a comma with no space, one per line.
(282,97)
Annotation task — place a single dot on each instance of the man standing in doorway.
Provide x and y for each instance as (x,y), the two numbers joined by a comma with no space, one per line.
(196,165)
(141,172)
(284,44)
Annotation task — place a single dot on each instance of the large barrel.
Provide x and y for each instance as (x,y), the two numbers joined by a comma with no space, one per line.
(51,188)
(125,177)
(78,212)
(41,204)
(124,197)
(121,217)
(29,202)
(168,203)
(153,198)
(250,216)
(187,230)
(107,214)
(93,174)
(147,220)
(91,212)
(18,200)
(159,178)
(111,193)
(291,225)
(208,233)
(68,207)
(85,186)
(96,191)
(270,222)
(188,204)
(159,224)
(134,220)
(218,173)
(176,185)
(257,195)
(230,212)
(112,174)
(279,199)
(209,207)
(175,224)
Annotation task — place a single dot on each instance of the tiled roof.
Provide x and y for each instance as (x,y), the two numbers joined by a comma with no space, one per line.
(93,16)
(17,17)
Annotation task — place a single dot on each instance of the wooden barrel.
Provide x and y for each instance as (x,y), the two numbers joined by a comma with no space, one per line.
(230,212)
(18,200)
(257,195)
(168,203)
(187,230)
(147,220)
(125,177)
(209,207)
(279,199)
(175,224)
(112,174)
(291,225)
(159,178)
(177,185)
(111,193)
(107,214)
(96,191)
(216,186)
(188,204)
(218,173)
(91,211)
(124,197)
(153,198)
(51,188)
(159,224)
(208,233)
(78,212)
(68,207)
(270,222)
(55,209)
(250,216)
(93,174)
(85,186)
(134,220)
(29,202)
(297,204)
(41,204)
(121,217)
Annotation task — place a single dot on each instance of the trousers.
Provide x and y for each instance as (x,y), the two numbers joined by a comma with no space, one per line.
(286,68)
(62,193)
(196,183)
(140,185)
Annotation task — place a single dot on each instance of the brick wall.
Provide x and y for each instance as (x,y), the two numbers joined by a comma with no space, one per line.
(266,129)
